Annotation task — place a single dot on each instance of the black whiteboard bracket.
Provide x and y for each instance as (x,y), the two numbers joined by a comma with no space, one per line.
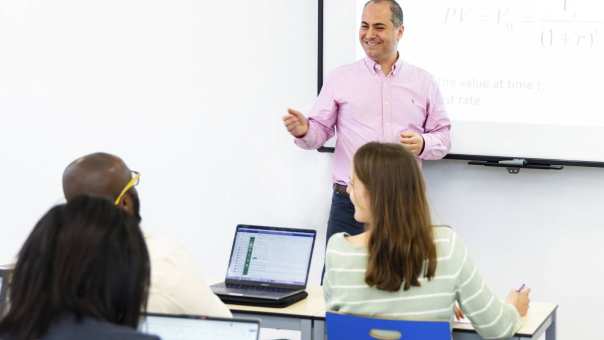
(504,161)
(514,165)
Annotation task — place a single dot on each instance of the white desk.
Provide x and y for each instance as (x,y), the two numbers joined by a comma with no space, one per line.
(308,317)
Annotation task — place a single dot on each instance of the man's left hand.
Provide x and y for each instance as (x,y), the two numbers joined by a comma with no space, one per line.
(412,141)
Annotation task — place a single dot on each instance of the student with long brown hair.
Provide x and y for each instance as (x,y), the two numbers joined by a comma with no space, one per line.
(402,266)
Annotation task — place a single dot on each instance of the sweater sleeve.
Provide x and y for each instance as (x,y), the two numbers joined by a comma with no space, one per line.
(327,277)
(491,317)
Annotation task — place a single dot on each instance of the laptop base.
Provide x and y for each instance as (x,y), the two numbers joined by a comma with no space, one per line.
(255,301)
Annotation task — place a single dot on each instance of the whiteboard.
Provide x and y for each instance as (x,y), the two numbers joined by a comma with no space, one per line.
(519,77)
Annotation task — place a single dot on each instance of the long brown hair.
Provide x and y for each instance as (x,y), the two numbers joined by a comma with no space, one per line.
(401,244)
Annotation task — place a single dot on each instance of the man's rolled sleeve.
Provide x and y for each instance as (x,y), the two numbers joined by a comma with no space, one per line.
(437,129)
(322,119)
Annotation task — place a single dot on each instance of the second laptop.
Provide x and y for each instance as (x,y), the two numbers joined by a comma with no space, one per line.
(268,266)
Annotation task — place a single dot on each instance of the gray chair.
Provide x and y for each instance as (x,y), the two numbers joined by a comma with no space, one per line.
(4,278)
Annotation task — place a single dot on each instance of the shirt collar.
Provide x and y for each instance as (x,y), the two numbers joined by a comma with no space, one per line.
(376,68)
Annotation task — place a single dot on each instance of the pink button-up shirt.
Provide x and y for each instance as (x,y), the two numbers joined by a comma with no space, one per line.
(363,105)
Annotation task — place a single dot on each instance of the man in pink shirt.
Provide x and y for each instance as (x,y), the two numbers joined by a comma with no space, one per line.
(379,98)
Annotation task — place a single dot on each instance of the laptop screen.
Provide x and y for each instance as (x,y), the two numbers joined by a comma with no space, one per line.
(193,328)
(271,255)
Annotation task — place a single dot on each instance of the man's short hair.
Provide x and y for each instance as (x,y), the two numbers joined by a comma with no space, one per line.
(395,9)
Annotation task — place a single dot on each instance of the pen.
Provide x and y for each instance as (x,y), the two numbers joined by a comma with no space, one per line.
(521,288)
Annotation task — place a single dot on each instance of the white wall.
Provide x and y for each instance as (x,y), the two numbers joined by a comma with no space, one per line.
(190,93)
(248,168)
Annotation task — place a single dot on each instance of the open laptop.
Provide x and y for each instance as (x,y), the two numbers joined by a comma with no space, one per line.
(188,327)
(268,266)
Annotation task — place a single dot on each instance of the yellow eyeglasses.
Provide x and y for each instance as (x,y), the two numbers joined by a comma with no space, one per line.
(136,176)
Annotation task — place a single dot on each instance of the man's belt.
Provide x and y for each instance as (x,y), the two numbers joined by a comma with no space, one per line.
(340,189)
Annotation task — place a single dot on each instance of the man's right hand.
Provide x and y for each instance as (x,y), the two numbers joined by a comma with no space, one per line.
(296,123)
(520,300)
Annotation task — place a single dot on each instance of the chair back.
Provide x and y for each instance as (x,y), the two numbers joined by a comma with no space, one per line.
(348,327)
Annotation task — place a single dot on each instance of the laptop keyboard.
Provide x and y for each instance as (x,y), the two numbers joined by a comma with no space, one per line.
(259,288)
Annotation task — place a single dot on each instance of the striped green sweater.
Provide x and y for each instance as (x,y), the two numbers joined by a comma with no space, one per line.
(456,279)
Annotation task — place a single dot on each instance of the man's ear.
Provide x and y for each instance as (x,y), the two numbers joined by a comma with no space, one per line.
(127,204)
(400,32)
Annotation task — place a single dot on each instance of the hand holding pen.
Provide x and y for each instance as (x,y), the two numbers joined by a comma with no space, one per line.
(519,298)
